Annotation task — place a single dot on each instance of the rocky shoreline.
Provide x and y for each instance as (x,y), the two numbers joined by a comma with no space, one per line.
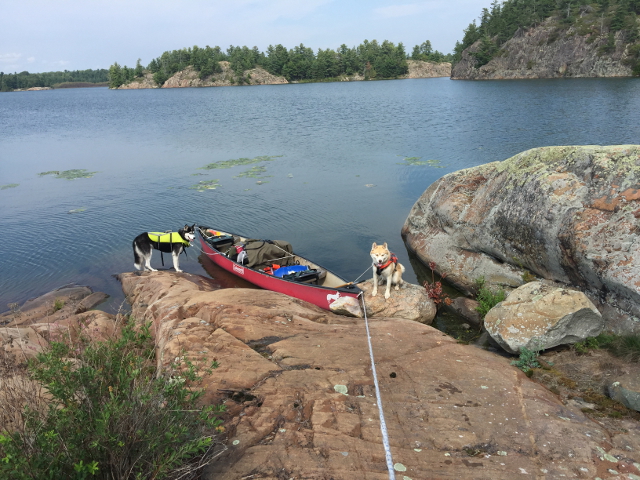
(297,380)
(258,76)
(297,384)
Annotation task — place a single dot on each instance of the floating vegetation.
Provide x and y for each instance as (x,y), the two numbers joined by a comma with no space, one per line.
(290,175)
(261,182)
(240,161)
(197,174)
(69,174)
(369,185)
(205,185)
(9,185)
(254,172)
(77,210)
(415,161)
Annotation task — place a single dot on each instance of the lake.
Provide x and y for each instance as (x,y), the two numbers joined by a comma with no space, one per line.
(337,178)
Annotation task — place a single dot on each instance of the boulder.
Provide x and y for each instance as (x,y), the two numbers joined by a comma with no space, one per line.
(567,214)
(348,306)
(300,396)
(410,302)
(538,316)
(626,390)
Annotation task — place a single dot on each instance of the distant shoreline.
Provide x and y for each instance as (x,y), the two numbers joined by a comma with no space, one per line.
(60,86)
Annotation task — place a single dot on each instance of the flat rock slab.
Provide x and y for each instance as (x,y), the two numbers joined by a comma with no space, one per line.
(300,395)
(71,300)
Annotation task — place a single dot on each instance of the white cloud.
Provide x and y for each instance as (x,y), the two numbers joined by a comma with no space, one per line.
(9,57)
(31,59)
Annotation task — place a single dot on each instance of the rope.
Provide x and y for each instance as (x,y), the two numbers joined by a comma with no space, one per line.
(356,280)
(383,425)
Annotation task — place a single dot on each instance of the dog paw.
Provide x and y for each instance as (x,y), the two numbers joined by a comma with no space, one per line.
(373,294)
(178,270)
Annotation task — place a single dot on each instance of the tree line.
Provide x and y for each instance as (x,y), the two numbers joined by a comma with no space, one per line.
(300,63)
(499,23)
(24,80)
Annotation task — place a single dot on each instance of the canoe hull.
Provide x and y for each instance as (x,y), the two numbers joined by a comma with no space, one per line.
(318,295)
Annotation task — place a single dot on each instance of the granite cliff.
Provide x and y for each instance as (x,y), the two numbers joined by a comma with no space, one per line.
(551,50)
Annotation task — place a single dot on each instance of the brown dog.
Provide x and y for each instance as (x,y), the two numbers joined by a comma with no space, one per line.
(385,268)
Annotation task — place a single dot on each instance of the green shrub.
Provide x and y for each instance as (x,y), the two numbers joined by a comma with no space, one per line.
(527,360)
(487,298)
(58,303)
(111,415)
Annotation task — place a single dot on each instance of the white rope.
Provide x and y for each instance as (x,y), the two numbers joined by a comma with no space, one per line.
(383,425)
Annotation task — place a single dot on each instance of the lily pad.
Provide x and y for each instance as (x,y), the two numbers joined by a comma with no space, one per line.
(69,174)
(205,185)
(9,185)
(77,210)
(240,161)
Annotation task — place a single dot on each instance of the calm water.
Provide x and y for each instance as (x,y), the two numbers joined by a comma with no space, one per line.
(338,186)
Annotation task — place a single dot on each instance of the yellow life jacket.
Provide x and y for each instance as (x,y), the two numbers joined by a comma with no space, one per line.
(170,237)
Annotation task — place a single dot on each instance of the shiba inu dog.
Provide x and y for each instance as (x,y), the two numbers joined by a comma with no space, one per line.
(385,268)
(168,242)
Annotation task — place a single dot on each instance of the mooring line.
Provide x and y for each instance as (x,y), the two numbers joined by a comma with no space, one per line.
(383,424)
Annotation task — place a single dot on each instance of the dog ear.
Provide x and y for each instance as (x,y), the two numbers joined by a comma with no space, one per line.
(374,245)
(385,245)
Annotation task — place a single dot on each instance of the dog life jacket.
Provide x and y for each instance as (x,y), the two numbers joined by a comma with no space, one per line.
(170,237)
(380,268)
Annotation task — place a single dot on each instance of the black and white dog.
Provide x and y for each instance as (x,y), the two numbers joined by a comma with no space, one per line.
(168,242)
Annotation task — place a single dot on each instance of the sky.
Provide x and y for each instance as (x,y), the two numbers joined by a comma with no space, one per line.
(46,35)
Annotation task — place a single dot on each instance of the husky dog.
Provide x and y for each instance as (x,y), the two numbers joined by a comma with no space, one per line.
(385,268)
(168,242)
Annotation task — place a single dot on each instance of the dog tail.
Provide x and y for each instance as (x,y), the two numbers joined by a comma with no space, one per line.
(137,260)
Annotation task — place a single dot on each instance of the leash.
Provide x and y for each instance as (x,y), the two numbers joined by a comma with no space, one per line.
(383,425)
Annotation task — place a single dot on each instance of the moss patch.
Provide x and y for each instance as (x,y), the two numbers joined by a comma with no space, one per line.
(9,185)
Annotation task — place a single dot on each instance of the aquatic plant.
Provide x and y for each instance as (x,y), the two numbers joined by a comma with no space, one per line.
(205,185)
(240,161)
(69,174)
(415,161)
(434,289)
(77,210)
(254,172)
(9,185)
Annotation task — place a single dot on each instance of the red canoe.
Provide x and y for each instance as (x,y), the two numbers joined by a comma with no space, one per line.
(315,284)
